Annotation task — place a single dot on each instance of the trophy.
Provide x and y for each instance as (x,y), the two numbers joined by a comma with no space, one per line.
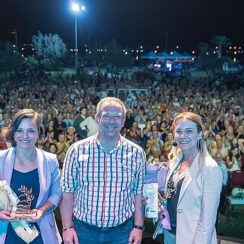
(23,211)
(23,215)
(20,209)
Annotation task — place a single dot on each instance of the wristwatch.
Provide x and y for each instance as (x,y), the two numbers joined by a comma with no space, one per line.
(139,227)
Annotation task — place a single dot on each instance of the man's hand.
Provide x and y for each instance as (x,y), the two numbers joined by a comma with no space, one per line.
(135,236)
(70,236)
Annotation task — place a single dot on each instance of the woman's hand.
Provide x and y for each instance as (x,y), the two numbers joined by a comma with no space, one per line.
(38,216)
(6,215)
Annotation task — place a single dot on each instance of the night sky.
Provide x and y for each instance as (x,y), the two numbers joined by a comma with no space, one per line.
(130,22)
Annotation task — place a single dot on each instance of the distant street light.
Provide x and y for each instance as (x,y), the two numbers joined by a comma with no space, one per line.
(76,7)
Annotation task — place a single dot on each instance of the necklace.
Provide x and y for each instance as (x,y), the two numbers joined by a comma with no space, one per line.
(179,176)
(180,172)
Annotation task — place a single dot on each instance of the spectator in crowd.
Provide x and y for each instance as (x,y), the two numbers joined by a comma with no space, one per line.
(168,145)
(50,127)
(107,170)
(154,147)
(218,146)
(5,119)
(163,130)
(222,202)
(230,133)
(47,118)
(141,118)
(233,159)
(59,126)
(3,143)
(53,148)
(134,134)
(129,119)
(158,120)
(147,129)
(34,171)
(90,124)
(68,119)
(154,130)
(71,135)
(49,139)
(82,134)
(240,132)
(63,147)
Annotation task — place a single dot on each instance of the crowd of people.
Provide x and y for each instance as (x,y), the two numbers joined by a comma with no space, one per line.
(71,111)
(68,109)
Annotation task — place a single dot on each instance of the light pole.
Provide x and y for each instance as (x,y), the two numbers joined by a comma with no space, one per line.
(76,7)
(14,32)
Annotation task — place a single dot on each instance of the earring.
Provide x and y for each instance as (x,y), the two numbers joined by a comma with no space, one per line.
(199,144)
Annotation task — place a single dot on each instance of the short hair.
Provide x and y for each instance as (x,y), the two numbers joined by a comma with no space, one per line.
(84,107)
(10,130)
(53,144)
(110,100)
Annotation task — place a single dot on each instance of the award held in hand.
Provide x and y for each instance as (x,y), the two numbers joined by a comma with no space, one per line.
(20,210)
(23,211)
(23,215)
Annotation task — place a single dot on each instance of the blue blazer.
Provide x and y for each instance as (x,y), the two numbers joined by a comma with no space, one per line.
(50,189)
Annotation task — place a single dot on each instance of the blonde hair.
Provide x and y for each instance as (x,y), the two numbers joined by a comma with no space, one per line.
(197,120)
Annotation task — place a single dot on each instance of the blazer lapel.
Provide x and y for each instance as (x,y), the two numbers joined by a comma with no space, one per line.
(9,165)
(192,173)
(174,166)
(41,174)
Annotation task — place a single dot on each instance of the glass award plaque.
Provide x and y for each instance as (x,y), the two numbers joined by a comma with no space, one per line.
(23,215)
(23,211)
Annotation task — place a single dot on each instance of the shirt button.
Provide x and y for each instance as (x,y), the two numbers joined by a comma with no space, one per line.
(180,210)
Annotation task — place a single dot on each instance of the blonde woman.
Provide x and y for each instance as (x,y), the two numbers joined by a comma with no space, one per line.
(193,185)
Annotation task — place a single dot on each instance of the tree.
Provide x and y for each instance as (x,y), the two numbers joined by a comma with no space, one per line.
(115,56)
(111,55)
(31,62)
(220,41)
(10,58)
(208,59)
(49,47)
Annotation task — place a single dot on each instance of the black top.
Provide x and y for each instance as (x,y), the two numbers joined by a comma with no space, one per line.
(172,203)
(26,187)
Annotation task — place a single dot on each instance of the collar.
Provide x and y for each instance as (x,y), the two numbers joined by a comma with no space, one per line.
(103,149)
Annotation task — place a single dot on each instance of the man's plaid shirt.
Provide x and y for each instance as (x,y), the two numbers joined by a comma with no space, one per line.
(104,184)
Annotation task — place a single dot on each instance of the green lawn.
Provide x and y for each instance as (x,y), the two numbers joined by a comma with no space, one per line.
(64,72)
(198,75)
(233,224)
